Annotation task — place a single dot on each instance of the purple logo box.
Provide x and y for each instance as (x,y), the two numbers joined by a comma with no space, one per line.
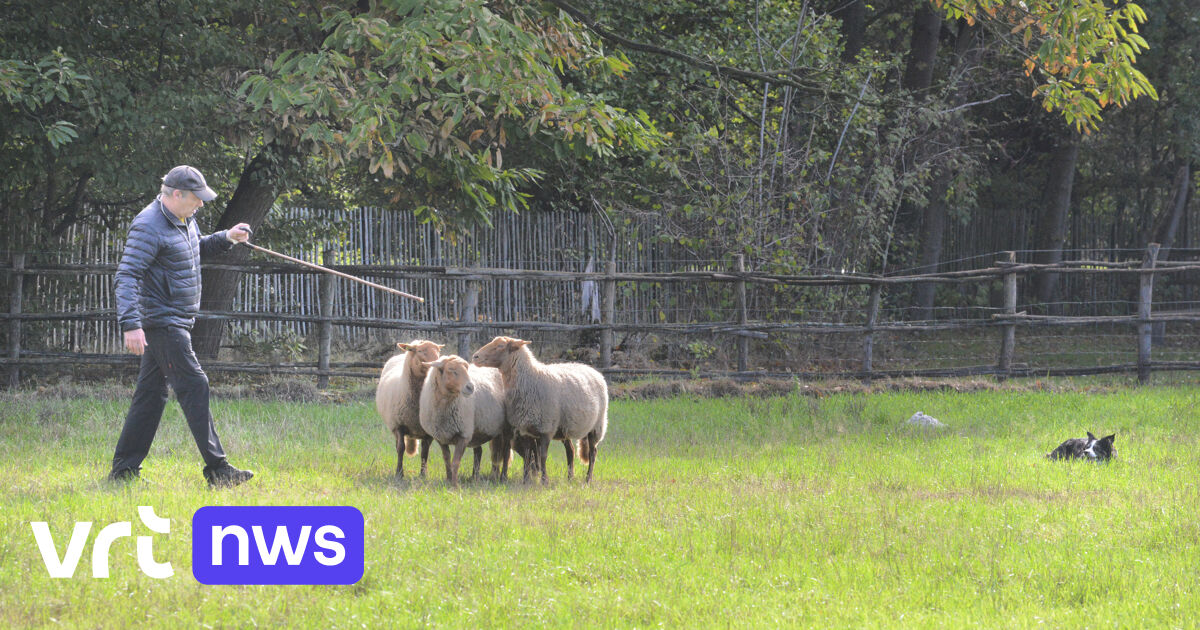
(277,544)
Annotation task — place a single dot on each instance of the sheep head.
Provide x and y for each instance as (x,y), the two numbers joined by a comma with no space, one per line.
(420,353)
(451,375)
(496,351)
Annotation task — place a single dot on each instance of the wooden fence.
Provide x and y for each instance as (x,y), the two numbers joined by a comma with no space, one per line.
(470,326)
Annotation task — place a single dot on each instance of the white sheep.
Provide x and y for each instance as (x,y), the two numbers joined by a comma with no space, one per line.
(562,401)
(462,405)
(397,398)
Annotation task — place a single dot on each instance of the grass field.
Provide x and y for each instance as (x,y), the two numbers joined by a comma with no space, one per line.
(792,511)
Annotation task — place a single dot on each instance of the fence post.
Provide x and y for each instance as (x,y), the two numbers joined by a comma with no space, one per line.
(14,324)
(743,314)
(467,313)
(608,307)
(1008,335)
(1145,297)
(325,338)
(872,318)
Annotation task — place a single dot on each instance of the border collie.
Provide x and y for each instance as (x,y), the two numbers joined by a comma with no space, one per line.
(1089,448)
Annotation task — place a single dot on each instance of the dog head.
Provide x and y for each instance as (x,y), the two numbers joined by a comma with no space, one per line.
(1102,449)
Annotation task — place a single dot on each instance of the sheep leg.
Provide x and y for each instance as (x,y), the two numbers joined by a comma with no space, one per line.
(445,459)
(590,443)
(570,449)
(399,433)
(425,444)
(543,448)
(505,441)
(531,462)
(498,455)
(526,447)
(478,459)
(460,447)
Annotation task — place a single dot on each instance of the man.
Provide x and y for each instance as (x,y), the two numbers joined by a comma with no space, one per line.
(158,296)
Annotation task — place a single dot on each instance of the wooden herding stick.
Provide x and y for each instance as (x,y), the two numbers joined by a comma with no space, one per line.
(336,273)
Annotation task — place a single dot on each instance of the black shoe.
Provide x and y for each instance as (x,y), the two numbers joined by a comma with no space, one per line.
(226,476)
(124,475)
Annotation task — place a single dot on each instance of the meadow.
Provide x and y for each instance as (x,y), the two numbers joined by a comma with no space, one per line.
(741,512)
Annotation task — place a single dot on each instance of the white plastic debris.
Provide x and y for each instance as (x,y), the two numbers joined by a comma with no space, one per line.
(923,420)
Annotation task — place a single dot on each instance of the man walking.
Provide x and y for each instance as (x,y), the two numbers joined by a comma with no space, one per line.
(158,296)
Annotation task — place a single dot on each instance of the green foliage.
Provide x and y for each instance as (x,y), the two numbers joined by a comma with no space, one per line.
(1085,51)
(125,92)
(454,110)
(791,178)
(33,90)
(436,92)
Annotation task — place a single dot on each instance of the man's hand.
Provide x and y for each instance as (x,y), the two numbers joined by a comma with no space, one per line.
(135,341)
(239,233)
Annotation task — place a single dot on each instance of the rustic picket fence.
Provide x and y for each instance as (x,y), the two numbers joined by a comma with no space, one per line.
(470,298)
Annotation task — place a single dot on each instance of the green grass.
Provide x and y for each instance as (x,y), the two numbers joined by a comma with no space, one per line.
(748,513)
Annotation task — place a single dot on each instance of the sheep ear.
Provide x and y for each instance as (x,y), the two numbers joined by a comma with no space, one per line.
(405,347)
(517,344)
(440,345)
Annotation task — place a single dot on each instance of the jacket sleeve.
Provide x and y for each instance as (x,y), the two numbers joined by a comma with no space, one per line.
(215,243)
(140,249)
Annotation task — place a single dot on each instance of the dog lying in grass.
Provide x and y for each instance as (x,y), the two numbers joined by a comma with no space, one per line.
(1089,448)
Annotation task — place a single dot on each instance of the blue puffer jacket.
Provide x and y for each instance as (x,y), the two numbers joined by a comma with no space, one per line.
(158,280)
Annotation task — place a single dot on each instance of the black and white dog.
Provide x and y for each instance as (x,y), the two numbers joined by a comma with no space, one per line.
(1089,448)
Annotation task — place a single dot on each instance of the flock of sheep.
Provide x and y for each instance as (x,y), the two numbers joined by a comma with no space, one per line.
(503,396)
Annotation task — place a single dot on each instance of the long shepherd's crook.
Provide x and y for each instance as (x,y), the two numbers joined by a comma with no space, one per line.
(336,273)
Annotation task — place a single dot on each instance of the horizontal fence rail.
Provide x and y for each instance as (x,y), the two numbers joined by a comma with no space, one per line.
(467,319)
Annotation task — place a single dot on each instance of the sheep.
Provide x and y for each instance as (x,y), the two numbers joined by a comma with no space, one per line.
(398,395)
(563,401)
(463,405)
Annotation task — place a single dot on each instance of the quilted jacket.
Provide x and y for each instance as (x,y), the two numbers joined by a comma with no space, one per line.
(158,279)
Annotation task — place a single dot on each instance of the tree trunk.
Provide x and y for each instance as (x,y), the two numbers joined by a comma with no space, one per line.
(933,219)
(1052,224)
(256,192)
(853,15)
(918,73)
(933,230)
(1168,226)
(918,77)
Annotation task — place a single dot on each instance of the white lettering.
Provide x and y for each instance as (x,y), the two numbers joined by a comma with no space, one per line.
(282,541)
(219,533)
(102,546)
(104,540)
(66,567)
(338,549)
(145,544)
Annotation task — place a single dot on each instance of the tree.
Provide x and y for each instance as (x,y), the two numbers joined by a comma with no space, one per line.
(436,91)
(430,94)
(157,95)
(1085,54)
(36,126)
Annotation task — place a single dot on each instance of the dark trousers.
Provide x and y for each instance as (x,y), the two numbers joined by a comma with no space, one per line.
(169,359)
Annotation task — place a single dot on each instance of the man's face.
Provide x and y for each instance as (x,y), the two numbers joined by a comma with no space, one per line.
(184,203)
